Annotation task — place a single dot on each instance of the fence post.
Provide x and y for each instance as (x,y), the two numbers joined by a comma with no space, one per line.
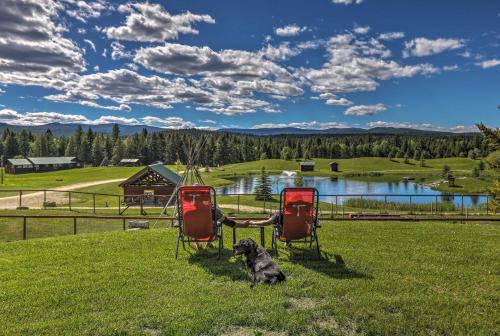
(69,200)
(436,209)
(264,206)
(336,204)
(74,225)
(462,208)
(93,199)
(25,228)
(44,198)
(331,210)
(20,198)
(238,211)
(487,201)
(411,208)
(119,205)
(124,226)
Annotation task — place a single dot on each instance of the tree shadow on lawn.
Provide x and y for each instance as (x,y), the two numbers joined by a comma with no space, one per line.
(207,259)
(335,269)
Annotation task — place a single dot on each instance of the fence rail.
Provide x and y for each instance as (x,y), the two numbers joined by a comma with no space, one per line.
(32,226)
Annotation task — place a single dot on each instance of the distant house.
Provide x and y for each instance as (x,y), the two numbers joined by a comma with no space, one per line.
(17,166)
(153,185)
(306,166)
(41,164)
(334,166)
(129,162)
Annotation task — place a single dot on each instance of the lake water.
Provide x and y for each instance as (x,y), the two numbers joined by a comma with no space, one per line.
(396,191)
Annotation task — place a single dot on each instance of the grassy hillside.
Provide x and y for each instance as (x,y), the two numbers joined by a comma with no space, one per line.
(395,278)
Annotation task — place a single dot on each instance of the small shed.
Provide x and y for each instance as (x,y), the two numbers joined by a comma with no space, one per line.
(306,166)
(334,166)
(152,185)
(129,163)
(16,166)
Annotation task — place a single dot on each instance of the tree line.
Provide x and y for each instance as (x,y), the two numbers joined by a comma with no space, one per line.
(220,148)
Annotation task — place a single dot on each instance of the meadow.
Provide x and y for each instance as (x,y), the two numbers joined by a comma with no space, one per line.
(374,279)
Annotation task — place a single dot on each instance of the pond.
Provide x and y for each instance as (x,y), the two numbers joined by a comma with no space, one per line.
(328,188)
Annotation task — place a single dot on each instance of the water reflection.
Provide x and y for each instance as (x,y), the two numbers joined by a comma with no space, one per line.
(328,186)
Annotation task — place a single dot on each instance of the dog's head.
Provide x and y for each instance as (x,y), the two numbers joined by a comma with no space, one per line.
(245,246)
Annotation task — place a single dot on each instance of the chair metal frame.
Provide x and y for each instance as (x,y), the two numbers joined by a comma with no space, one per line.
(278,227)
(216,225)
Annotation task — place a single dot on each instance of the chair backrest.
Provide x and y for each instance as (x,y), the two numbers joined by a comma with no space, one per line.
(196,204)
(298,208)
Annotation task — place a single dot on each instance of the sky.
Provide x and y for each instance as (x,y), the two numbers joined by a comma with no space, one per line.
(251,64)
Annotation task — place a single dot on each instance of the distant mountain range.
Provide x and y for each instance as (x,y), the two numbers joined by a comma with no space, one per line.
(334,131)
(68,129)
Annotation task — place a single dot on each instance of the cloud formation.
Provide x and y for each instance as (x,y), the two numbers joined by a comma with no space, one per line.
(365,110)
(147,22)
(489,63)
(290,30)
(422,46)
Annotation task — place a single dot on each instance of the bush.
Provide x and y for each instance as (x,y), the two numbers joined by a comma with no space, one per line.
(401,206)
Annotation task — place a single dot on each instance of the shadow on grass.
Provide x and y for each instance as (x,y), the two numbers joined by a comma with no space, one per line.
(207,259)
(335,269)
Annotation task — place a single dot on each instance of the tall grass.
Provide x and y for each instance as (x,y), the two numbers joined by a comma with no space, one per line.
(402,206)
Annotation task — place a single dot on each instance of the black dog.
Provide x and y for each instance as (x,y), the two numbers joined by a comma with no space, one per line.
(259,262)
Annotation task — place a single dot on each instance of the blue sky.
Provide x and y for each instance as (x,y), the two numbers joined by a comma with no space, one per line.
(217,64)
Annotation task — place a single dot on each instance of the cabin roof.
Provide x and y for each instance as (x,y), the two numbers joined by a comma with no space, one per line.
(158,169)
(129,160)
(52,160)
(19,162)
(307,163)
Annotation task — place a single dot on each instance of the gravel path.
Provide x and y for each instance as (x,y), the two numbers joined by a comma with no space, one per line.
(35,200)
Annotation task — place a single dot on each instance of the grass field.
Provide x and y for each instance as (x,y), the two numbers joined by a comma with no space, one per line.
(395,278)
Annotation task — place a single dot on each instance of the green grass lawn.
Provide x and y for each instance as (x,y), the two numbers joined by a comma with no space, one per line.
(396,278)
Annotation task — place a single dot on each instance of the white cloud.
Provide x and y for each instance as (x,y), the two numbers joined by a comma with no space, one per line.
(32,48)
(391,36)
(84,10)
(114,120)
(450,67)
(90,43)
(282,52)
(422,46)
(365,110)
(347,2)
(148,22)
(2,91)
(489,63)
(208,121)
(290,30)
(426,127)
(357,64)
(169,123)
(361,30)
(304,125)
(118,51)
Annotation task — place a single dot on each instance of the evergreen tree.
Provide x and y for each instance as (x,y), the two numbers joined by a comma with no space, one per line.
(10,145)
(407,159)
(263,191)
(118,151)
(115,132)
(97,152)
(445,171)
(299,180)
(263,156)
(286,153)
(221,155)
(307,156)
(422,159)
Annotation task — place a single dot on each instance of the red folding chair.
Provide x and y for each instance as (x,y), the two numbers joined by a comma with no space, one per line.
(196,215)
(298,217)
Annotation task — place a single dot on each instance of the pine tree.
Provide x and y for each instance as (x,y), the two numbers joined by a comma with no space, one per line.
(422,159)
(307,156)
(10,145)
(97,152)
(118,151)
(263,156)
(286,153)
(263,191)
(299,180)
(445,171)
(407,159)
(115,132)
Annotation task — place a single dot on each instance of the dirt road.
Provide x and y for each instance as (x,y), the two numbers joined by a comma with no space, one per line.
(35,200)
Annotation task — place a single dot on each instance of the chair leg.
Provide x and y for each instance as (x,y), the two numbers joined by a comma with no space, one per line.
(317,246)
(275,244)
(177,247)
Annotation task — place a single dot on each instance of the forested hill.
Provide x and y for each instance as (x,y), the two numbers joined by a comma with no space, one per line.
(59,129)
(223,148)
